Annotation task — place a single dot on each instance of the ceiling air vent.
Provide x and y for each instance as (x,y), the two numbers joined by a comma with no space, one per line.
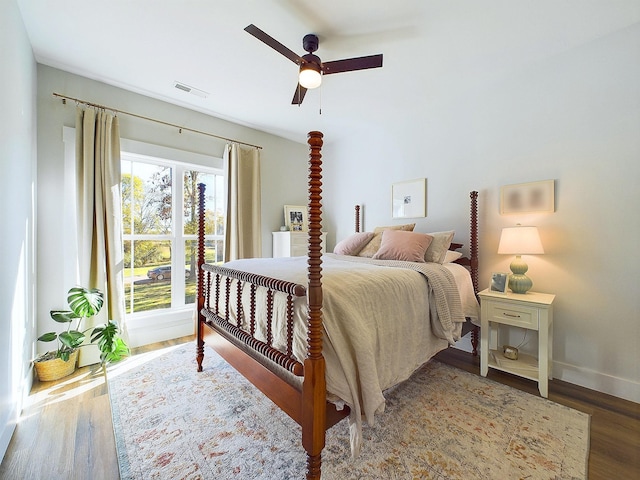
(186,88)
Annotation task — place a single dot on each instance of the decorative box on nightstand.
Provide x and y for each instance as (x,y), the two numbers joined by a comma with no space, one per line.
(531,310)
(294,244)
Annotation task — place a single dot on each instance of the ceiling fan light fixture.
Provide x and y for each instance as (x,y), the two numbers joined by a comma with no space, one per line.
(309,78)
(310,75)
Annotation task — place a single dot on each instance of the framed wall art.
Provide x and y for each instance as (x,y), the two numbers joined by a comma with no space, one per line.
(295,218)
(532,197)
(409,199)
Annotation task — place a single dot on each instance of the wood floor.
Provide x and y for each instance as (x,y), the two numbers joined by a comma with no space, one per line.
(65,431)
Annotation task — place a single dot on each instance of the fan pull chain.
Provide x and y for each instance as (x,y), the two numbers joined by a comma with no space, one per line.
(320,110)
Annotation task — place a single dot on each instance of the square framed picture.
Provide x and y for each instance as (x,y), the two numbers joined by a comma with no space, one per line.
(409,199)
(532,197)
(499,282)
(295,218)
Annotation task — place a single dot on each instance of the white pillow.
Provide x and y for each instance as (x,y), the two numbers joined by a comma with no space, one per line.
(451,256)
(439,246)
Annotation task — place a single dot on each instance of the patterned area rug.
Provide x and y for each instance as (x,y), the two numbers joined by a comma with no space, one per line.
(171,422)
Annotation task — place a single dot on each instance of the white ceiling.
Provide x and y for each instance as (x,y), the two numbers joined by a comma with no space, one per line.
(428,46)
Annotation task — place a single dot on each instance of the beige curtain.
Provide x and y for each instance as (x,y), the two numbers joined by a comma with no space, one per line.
(243,237)
(99,224)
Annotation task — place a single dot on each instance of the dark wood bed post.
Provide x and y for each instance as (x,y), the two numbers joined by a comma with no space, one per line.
(357,218)
(314,389)
(473,254)
(200,285)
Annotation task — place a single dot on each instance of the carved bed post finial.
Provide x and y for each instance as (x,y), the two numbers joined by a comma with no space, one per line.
(314,393)
(200,275)
(357,218)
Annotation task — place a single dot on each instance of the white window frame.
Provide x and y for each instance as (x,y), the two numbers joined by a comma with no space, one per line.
(154,325)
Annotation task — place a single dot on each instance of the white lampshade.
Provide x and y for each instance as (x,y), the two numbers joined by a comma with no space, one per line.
(310,76)
(520,241)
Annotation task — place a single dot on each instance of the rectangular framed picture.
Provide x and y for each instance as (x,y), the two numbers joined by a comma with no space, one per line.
(409,199)
(295,218)
(532,197)
(499,282)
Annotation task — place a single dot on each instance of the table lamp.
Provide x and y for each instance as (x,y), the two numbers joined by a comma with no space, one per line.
(519,241)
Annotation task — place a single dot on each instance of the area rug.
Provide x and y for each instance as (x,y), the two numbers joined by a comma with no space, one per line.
(171,422)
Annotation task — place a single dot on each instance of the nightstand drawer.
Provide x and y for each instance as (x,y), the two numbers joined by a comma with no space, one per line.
(516,315)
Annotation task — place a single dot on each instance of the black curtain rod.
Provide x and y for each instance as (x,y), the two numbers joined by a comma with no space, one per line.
(84,102)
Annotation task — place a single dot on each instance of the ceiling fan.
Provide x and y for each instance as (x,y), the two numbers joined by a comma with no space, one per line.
(311,67)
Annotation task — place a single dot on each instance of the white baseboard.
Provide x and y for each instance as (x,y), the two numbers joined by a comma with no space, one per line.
(11,420)
(160,327)
(600,382)
(7,430)
(618,387)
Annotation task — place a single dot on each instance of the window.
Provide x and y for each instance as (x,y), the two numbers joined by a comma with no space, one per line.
(159,220)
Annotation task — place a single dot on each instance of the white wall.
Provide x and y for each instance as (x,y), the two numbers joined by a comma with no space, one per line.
(573,117)
(277,156)
(17,204)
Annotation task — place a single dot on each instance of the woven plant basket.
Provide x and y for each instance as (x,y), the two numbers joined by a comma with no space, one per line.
(56,368)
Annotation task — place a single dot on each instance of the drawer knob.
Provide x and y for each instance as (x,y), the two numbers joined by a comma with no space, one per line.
(510,315)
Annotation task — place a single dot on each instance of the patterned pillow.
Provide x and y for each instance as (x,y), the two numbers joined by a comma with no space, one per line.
(439,246)
(353,243)
(403,245)
(374,244)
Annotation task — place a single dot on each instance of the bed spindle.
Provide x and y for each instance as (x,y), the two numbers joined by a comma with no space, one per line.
(200,279)
(252,319)
(217,297)
(314,390)
(357,229)
(290,325)
(270,317)
(473,255)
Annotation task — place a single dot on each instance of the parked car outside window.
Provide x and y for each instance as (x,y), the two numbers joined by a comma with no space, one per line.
(164,273)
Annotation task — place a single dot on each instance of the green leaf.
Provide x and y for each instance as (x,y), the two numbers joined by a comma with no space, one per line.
(85,302)
(63,316)
(48,337)
(72,338)
(120,351)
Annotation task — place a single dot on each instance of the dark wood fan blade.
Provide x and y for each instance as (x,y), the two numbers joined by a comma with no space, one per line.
(273,43)
(350,64)
(299,94)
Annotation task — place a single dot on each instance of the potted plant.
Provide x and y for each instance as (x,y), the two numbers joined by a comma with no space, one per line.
(84,303)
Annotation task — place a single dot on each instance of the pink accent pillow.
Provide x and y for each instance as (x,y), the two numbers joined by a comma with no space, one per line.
(353,243)
(403,245)
(372,247)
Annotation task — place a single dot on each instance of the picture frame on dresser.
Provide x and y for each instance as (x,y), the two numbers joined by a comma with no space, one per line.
(499,282)
(296,218)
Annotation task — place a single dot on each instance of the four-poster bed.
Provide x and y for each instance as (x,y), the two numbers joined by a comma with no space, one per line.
(292,340)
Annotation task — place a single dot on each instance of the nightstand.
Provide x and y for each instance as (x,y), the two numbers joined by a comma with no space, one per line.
(532,311)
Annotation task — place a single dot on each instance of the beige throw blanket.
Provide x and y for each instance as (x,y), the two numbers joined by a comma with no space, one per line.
(380,323)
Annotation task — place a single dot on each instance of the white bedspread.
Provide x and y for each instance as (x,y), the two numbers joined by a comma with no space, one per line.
(381,323)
